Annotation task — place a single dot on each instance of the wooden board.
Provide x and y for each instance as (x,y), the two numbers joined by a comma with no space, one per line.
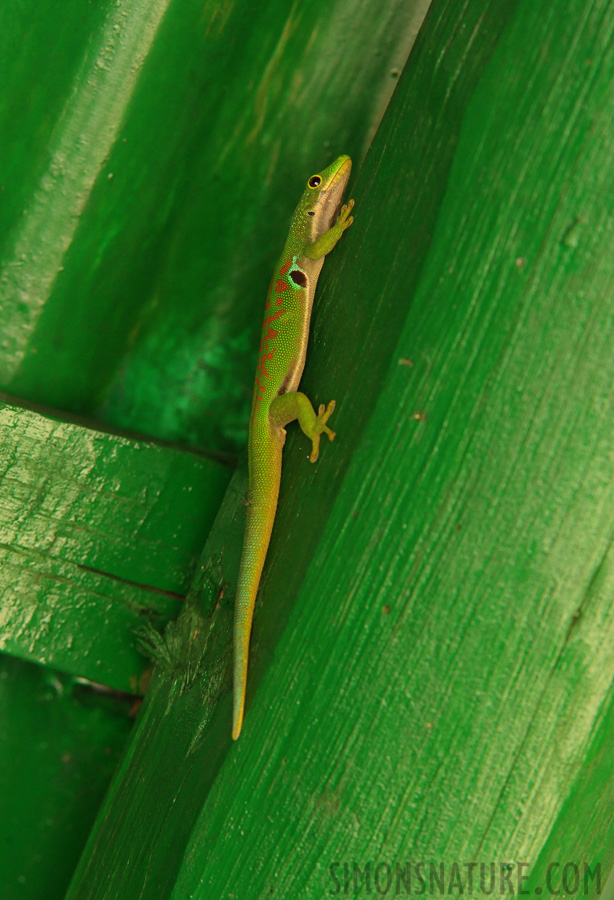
(433,651)
(99,534)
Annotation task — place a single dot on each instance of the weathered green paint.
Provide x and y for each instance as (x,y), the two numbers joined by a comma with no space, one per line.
(59,745)
(149,251)
(135,245)
(433,650)
(99,534)
(583,833)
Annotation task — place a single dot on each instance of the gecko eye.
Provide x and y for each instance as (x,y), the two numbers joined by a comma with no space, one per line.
(315,181)
(310,212)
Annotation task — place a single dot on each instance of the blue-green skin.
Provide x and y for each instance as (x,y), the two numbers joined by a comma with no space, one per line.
(276,400)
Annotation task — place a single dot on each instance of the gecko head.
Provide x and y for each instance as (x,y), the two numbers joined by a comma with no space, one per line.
(323,195)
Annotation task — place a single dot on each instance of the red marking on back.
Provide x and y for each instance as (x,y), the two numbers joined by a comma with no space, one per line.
(272,318)
(263,359)
(259,387)
(268,334)
(285,267)
(281,286)
(280,300)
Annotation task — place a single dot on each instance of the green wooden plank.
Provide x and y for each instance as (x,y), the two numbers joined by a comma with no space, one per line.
(59,745)
(99,533)
(583,834)
(433,650)
(122,258)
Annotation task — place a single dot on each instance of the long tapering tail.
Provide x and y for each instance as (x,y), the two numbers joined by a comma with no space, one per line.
(264,478)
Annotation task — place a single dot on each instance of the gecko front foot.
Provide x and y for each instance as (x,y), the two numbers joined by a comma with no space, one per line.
(344,219)
(325,243)
(320,427)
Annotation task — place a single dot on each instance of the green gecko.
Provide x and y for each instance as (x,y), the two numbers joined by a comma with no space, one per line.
(314,231)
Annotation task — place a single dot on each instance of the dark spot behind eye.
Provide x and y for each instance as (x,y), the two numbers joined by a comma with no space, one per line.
(310,212)
(299,278)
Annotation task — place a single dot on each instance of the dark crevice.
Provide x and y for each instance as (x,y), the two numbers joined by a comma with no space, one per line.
(136,584)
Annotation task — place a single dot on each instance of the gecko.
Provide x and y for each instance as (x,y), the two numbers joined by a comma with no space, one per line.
(317,224)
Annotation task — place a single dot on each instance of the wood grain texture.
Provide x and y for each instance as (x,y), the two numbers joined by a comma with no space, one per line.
(433,651)
(133,260)
(99,534)
(60,742)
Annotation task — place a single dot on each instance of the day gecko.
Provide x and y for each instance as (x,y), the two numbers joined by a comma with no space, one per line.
(314,231)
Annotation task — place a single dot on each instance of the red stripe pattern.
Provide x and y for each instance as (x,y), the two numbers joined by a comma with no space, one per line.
(279,286)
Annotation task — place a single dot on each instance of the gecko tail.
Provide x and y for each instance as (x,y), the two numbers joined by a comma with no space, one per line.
(254,553)
(257,535)
(241,652)
(237,723)
(265,475)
